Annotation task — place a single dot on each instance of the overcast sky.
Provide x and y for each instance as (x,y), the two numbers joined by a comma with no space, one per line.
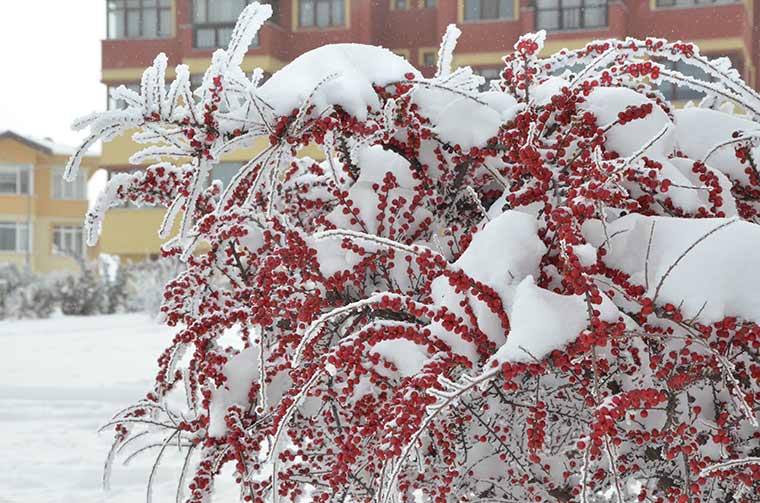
(50,60)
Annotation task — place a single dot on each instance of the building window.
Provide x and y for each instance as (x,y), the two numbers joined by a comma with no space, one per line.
(15,180)
(428,4)
(567,72)
(117,104)
(693,3)
(68,240)
(214,21)
(401,4)
(196,81)
(480,10)
(14,237)
(489,74)
(429,58)
(673,92)
(75,190)
(321,13)
(139,19)
(225,171)
(556,15)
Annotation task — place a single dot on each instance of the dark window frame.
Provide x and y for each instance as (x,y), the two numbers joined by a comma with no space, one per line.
(674,92)
(111,102)
(486,5)
(489,73)
(225,171)
(18,229)
(60,233)
(561,10)
(433,58)
(24,179)
(672,4)
(62,190)
(332,14)
(159,6)
(219,26)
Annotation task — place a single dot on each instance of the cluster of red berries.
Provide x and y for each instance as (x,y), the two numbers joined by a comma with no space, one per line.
(644,399)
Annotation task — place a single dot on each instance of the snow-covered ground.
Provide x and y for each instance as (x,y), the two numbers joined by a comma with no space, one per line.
(60,380)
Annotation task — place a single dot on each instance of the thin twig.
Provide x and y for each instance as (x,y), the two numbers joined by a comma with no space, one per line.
(686,252)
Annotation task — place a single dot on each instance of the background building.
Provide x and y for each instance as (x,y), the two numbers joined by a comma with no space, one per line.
(188,31)
(41,215)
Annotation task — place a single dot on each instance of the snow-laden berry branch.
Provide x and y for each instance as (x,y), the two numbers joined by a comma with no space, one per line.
(542,292)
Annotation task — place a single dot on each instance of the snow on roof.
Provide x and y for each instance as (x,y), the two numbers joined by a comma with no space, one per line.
(45,145)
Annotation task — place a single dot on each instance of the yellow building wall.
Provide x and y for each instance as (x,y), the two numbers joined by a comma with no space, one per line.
(132,233)
(43,258)
(117,152)
(17,259)
(15,152)
(40,209)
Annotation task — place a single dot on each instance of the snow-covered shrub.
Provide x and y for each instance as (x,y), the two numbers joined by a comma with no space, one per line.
(543,292)
(133,286)
(143,283)
(98,287)
(38,300)
(25,295)
(84,293)
(114,287)
(115,280)
(11,280)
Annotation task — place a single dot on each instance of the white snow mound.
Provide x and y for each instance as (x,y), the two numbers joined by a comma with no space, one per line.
(718,277)
(500,255)
(355,67)
(627,139)
(540,322)
(241,370)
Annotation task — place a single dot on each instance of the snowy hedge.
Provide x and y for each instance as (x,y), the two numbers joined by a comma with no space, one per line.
(103,287)
(24,295)
(543,292)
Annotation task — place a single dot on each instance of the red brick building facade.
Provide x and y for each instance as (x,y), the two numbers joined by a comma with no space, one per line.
(188,31)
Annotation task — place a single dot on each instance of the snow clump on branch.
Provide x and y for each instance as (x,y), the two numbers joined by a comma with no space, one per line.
(542,292)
